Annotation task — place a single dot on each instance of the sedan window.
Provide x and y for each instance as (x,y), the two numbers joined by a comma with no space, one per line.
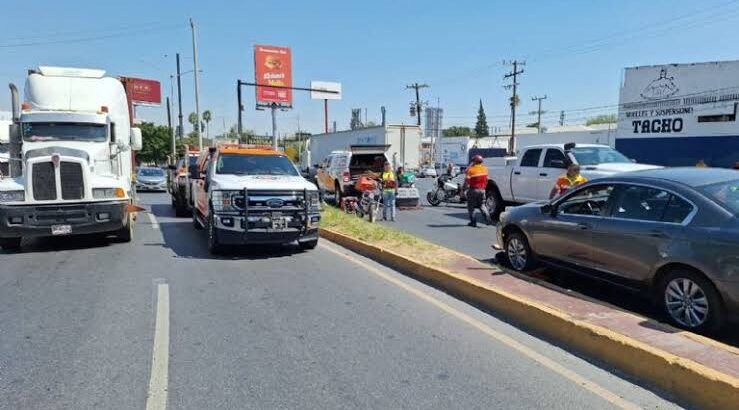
(651,204)
(588,201)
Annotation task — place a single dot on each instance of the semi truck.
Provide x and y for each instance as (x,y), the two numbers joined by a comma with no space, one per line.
(70,154)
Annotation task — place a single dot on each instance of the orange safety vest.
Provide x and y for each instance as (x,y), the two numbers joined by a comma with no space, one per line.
(477,176)
(564,182)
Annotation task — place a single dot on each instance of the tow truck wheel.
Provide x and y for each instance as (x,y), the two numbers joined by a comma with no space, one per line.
(125,234)
(214,247)
(308,245)
(10,244)
(180,209)
(195,222)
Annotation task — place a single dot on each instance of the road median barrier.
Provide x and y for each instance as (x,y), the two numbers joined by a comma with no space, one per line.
(694,369)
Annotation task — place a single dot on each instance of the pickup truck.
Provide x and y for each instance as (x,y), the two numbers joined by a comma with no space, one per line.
(178,185)
(253,195)
(531,177)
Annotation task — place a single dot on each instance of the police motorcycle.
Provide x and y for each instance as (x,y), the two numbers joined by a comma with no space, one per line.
(447,190)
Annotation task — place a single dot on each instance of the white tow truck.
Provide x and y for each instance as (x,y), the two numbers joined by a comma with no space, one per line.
(531,176)
(70,158)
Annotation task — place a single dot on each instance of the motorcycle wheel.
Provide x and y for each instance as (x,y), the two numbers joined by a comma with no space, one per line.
(373,213)
(433,198)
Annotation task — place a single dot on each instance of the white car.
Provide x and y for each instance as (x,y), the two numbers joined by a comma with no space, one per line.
(427,171)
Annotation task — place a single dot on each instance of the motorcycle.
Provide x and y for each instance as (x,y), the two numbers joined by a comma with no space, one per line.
(447,190)
(369,202)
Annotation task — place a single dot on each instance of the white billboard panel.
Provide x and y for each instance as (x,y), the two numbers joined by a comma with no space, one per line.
(325,86)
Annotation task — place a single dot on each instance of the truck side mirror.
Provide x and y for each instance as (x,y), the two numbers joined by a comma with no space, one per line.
(172,167)
(136,140)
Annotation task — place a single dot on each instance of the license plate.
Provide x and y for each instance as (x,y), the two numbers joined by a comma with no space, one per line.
(408,193)
(61,229)
(279,224)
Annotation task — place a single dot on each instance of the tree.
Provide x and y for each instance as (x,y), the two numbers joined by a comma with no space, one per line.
(602,119)
(207,117)
(370,123)
(532,125)
(481,127)
(193,120)
(156,143)
(457,132)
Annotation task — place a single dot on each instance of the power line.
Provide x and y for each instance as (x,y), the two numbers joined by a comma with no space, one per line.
(92,38)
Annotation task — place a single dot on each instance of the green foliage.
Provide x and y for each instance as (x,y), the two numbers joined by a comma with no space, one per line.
(157,143)
(457,132)
(602,119)
(532,125)
(481,127)
(207,116)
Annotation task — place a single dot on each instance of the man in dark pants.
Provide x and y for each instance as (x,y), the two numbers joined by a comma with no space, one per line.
(476,177)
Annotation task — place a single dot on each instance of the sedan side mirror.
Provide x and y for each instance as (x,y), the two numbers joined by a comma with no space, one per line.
(549,209)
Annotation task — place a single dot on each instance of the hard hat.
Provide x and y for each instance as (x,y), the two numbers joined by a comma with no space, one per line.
(477,159)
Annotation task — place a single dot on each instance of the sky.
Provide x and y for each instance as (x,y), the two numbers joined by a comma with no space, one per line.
(574,51)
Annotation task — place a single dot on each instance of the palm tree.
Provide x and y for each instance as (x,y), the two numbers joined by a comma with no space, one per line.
(207,117)
(193,120)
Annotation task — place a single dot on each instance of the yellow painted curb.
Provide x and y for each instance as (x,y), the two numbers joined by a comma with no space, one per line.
(686,379)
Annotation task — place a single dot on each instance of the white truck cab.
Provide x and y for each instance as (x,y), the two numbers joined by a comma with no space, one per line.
(531,176)
(70,158)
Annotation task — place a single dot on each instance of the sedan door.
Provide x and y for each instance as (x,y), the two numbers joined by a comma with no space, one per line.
(525,176)
(645,227)
(566,236)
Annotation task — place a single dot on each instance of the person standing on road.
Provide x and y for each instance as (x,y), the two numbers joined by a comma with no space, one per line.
(389,189)
(476,177)
(568,181)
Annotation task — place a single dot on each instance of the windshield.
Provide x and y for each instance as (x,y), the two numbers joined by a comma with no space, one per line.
(64,131)
(151,172)
(725,193)
(255,165)
(597,155)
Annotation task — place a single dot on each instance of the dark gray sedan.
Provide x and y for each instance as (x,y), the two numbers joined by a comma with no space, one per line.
(673,231)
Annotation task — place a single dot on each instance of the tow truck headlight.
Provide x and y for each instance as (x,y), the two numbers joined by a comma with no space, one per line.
(314,202)
(108,193)
(226,201)
(12,196)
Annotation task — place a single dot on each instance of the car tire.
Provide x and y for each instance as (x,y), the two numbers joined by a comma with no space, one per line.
(493,202)
(214,245)
(690,301)
(308,245)
(11,244)
(518,252)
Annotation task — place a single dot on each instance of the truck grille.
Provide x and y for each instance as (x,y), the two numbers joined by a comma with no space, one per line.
(44,181)
(71,180)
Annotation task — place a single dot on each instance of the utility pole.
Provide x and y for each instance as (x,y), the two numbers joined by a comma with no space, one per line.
(171,131)
(197,85)
(416,86)
(538,112)
(514,98)
(561,118)
(179,96)
(240,108)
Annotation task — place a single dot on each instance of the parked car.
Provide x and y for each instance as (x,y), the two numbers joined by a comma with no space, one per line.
(427,171)
(531,176)
(674,232)
(339,171)
(150,179)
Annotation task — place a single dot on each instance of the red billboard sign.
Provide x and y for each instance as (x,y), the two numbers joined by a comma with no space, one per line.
(142,92)
(273,66)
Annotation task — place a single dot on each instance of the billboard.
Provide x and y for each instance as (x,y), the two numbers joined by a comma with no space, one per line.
(273,66)
(327,86)
(141,91)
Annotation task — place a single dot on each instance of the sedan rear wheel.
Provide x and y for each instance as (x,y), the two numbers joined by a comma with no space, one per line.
(691,301)
(519,252)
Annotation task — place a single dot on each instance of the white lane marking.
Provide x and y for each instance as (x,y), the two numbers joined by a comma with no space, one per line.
(156,399)
(591,386)
(153,220)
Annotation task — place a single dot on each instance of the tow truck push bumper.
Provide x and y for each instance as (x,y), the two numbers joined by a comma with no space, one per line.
(83,218)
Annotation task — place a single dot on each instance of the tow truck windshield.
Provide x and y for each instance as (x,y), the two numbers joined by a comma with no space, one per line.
(597,155)
(238,164)
(64,131)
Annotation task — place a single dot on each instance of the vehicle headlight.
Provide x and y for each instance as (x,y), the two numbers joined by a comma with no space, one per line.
(227,201)
(12,196)
(314,201)
(108,193)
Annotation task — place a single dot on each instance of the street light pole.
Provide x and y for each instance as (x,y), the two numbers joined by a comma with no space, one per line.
(179,96)
(197,85)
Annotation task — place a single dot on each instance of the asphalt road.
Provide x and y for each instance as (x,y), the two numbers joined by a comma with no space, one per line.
(84,321)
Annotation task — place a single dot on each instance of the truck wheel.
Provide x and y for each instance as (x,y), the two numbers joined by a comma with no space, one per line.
(493,202)
(10,244)
(180,209)
(195,222)
(308,245)
(337,193)
(214,246)
(125,234)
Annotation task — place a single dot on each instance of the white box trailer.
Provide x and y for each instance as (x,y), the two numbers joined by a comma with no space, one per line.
(679,114)
(452,150)
(404,142)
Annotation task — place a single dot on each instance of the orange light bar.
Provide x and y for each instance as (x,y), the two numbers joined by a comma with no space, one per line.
(26,106)
(104,108)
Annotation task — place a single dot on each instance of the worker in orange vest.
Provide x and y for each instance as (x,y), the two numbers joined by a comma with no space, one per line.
(476,177)
(567,181)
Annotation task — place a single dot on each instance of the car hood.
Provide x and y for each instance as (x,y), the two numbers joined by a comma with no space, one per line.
(276,182)
(141,178)
(615,168)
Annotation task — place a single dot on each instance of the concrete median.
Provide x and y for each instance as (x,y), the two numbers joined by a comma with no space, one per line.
(691,367)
